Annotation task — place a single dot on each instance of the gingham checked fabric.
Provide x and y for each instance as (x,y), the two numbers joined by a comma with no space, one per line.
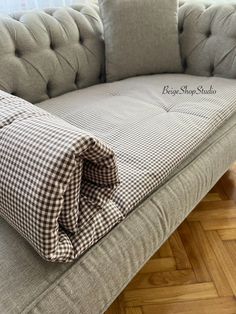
(150,133)
(55,180)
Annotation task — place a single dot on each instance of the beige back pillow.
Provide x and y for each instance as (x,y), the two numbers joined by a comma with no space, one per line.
(141,37)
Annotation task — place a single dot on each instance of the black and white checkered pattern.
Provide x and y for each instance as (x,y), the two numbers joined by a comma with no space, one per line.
(55,179)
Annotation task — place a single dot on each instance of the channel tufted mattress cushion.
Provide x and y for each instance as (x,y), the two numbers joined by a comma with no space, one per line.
(56,181)
(151,131)
(59,181)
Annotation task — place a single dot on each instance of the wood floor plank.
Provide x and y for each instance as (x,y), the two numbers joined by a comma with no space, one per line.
(223,305)
(165,250)
(117,306)
(162,279)
(181,257)
(227,234)
(212,197)
(224,210)
(228,267)
(194,272)
(193,253)
(216,224)
(133,310)
(114,308)
(156,255)
(159,264)
(213,265)
(228,183)
(231,247)
(142,297)
(222,204)
(219,189)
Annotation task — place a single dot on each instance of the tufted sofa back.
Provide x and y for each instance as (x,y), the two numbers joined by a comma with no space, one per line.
(208,38)
(44,54)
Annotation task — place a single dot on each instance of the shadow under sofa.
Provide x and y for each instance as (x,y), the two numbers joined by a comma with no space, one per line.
(89,285)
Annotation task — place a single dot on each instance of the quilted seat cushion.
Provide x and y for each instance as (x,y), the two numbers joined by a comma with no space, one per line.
(152,122)
(31,285)
(56,289)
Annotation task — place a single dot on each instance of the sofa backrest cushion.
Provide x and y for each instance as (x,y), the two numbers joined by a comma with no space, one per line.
(208,38)
(141,37)
(45,54)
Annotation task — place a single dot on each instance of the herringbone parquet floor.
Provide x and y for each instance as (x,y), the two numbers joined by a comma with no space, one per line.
(194,272)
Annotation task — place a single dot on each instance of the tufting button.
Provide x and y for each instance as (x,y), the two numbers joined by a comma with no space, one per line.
(211,70)
(184,63)
(181,29)
(52,46)
(81,41)
(76,78)
(17,53)
(48,88)
(208,34)
(101,77)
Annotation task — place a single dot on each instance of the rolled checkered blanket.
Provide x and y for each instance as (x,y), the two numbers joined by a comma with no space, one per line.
(56,181)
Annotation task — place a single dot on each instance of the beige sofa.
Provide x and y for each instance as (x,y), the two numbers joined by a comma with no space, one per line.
(28,284)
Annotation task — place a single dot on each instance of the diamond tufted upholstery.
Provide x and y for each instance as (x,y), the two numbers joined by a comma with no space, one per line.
(208,38)
(45,54)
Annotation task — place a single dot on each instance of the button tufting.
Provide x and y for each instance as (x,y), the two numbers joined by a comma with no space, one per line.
(48,88)
(184,63)
(30,57)
(76,78)
(17,53)
(211,70)
(101,77)
(181,29)
(208,34)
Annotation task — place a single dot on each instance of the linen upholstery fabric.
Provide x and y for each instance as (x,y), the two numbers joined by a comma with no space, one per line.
(45,54)
(64,288)
(47,288)
(207,38)
(56,181)
(141,37)
(206,43)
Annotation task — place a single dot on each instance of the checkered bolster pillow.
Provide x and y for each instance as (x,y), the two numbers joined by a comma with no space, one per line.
(49,172)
